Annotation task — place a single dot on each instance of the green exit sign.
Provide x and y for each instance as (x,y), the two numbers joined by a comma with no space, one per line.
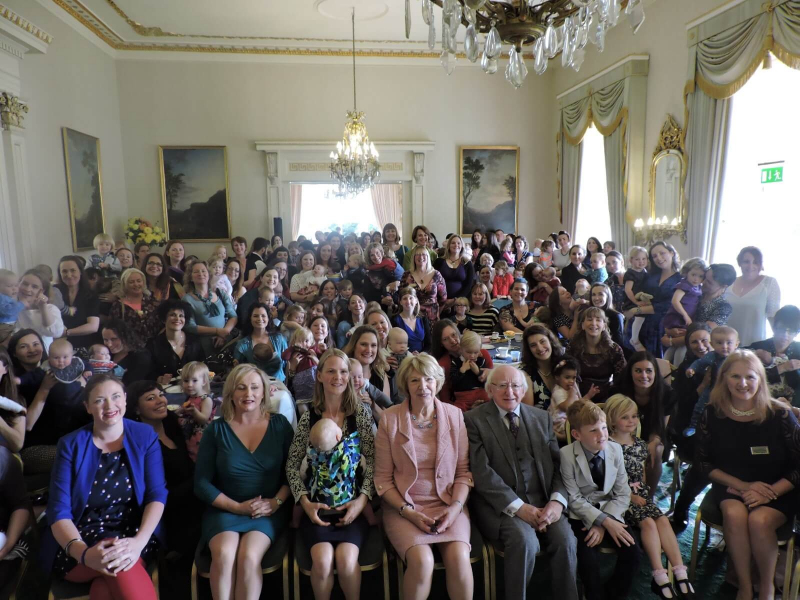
(772,175)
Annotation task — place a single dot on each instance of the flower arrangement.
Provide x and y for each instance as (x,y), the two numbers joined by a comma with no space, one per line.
(138,230)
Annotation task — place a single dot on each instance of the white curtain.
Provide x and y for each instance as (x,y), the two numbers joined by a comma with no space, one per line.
(387,200)
(615,154)
(296,193)
(720,65)
(569,178)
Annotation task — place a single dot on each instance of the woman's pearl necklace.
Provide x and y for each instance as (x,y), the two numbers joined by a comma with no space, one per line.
(423,425)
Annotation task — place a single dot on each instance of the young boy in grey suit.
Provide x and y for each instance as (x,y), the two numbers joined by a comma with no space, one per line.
(593,471)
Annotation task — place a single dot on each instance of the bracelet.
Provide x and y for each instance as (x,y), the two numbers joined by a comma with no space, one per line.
(69,543)
(279,501)
(405,506)
(461,505)
(83,556)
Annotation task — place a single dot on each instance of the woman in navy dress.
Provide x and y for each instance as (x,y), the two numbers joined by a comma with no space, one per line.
(241,476)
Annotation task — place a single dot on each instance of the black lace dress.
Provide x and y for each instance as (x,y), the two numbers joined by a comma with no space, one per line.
(634,457)
(111,510)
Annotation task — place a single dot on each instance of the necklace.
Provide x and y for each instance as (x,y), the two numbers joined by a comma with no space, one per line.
(423,425)
(742,413)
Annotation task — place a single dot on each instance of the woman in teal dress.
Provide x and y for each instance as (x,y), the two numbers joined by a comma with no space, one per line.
(241,475)
(256,330)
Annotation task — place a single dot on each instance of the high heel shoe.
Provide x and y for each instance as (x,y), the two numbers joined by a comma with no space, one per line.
(658,590)
(680,585)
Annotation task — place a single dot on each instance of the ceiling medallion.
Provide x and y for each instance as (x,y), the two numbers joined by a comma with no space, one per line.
(354,164)
(549,26)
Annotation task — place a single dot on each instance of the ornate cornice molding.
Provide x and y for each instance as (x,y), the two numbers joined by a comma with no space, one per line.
(12,111)
(9,15)
(326,166)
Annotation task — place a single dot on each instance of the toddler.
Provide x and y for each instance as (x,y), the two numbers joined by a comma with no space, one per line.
(609,247)
(10,307)
(623,420)
(462,320)
(634,279)
(267,297)
(198,409)
(355,272)
(374,398)
(519,272)
(216,267)
(345,289)
(486,260)
(333,461)
(294,317)
(598,273)
(724,340)
(63,364)
(104,260)
(546,256)
(565,392)
(503,280)
(100,362)
(466,371)
(507,249)
(302,349)
(547,283)
(581,296)
(686,297)
(398,344)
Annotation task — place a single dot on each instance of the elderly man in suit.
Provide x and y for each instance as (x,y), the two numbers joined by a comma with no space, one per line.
(520,500)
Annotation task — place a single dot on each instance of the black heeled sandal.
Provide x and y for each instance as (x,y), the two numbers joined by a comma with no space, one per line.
(689,593)
(658,590)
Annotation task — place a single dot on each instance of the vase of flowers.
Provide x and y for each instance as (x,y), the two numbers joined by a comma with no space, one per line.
(138,230)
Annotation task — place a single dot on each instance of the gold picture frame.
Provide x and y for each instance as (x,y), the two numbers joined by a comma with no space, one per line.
(83,167)
(492,198)
(195,195)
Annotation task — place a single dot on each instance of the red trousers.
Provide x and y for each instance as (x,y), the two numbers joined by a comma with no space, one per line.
(134,584)
(465,400)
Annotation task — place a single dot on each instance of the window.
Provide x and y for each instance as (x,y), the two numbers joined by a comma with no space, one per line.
(594,219)
(761,183)
(322,210)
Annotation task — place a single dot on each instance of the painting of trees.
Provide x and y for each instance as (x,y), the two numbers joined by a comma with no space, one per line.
(488,184)
(84,187)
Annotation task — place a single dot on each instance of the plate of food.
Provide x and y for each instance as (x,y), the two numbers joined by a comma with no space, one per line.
(487,346)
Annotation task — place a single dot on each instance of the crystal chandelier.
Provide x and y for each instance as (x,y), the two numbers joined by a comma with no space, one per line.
(549,26)
(354,164)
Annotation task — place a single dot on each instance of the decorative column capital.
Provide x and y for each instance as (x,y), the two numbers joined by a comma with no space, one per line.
(272,167)
(12,111)
(419,167)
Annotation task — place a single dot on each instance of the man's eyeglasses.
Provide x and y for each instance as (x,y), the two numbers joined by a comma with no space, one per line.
(515,387)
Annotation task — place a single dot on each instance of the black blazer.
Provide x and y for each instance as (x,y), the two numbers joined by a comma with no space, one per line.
(570,275)
(164,358)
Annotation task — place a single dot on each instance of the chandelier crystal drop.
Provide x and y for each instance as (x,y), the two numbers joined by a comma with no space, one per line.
(539,28)
(354,163)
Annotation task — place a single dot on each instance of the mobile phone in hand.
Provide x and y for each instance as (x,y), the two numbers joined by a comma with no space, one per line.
(330,515)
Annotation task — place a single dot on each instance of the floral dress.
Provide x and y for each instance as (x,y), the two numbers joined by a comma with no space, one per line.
(635,456)
(431,298)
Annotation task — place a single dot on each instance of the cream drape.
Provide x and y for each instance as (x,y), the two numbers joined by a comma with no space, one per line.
(387,200)
(720,66)
(296,193)
(606,109)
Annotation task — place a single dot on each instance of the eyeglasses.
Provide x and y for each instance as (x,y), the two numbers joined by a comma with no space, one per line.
(515,387)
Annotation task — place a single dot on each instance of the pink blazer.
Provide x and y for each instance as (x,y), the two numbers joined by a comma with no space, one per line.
(395,458)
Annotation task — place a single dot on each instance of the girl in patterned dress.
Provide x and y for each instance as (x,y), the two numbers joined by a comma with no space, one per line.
(198,409)
(622,416)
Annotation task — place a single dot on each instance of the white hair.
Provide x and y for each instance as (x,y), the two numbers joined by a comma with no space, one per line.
(493,373)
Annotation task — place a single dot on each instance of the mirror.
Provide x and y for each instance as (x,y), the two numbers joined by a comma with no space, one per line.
(668,179)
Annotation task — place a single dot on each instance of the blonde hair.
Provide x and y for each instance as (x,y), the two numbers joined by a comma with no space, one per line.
(300,335)
(487,302)
(422,363)
(126,275)
(420,250)
(216,251)
(582,413)
(470,340)
(765,405)
(213,260)
(350,401)
(197,368)
(409,291)
(455,236)
(462,301)
(379,365)
(724,330)
(233,380)
(358,258)
(616,406)
(370,248)
(599,255)
(398,332)
(635,251)
(489,260)
(102,237)
(294,310)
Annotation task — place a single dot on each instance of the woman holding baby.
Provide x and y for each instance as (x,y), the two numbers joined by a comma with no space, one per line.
(337,427)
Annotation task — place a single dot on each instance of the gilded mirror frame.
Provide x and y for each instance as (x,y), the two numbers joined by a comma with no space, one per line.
(671,142)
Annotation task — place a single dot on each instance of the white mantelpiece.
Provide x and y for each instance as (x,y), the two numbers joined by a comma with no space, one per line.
(309,162)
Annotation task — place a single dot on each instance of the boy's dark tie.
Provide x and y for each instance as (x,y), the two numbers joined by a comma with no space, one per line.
(598,469)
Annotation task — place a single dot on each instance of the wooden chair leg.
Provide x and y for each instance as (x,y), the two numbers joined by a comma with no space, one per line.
(486,576)
(195,575)
(285,573)
(296,579)
(787,574)
(386,587)
(795,587)
(493,570)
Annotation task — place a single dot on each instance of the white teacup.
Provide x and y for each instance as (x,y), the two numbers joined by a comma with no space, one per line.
(518,337)
(502,352)
(495,336)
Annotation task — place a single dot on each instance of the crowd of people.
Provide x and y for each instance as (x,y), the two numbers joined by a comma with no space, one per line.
(158,404)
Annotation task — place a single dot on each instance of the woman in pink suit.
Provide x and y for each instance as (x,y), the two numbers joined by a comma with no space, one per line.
(422,474)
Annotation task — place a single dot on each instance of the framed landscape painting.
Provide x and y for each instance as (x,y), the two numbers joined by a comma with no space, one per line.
(84,187)
(194,192)
(488,188)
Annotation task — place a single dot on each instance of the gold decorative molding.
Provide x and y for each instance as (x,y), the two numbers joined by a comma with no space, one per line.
(12,111)
(77,10)
(326,166)
(9,15)
(671,137)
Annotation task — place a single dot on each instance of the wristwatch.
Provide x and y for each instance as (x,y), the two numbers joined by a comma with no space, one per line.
(279,501)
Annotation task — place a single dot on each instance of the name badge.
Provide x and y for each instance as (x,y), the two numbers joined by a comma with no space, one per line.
(759,450)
